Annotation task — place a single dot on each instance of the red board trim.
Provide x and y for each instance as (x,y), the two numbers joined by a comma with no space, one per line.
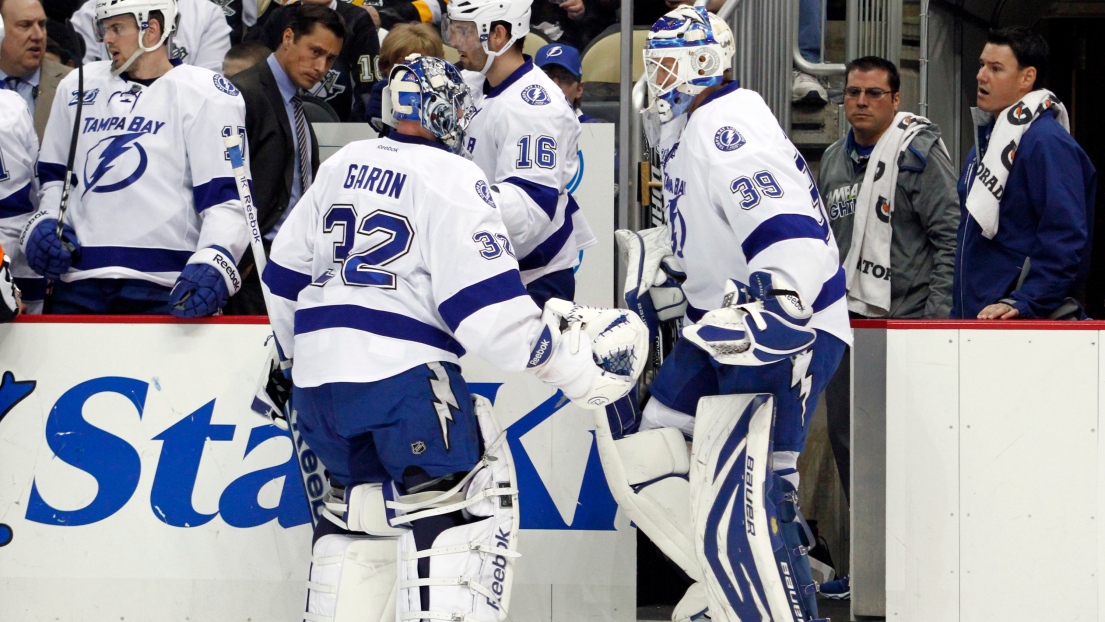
(978,325)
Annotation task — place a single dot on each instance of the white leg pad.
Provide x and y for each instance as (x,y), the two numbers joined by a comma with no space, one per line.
(471,565)
(352,579)
(646,473)
(733,519)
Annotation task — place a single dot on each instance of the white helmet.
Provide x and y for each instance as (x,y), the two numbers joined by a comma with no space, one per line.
(482,13)
(141,10)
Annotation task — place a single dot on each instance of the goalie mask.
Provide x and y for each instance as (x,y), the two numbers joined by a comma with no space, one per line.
(141,10)
(687,51)
(431,91)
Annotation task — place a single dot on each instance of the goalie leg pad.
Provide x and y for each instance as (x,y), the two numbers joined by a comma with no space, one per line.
(646,473)
(735,523)
(797,541)
(464,570)
(352,579)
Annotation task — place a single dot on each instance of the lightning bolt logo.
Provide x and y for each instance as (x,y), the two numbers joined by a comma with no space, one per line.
(444,400)
(115,147)
(800,377)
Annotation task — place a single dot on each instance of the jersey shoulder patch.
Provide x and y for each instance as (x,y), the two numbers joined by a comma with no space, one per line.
(484,191)
(728,139)
(225,85)
(536,95)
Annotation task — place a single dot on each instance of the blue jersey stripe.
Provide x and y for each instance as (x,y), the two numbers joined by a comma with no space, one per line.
(833,290)
(383,323)
(499,288)
(284,282)
(17,203)
(545,197)
(550,248)
(780,228)
(140,259)
(48,172)
(218,190)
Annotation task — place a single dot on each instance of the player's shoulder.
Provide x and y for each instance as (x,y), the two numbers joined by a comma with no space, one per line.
(530,92)
(12,105)
(202,83)
(96,74)
(732,123)
(206,9)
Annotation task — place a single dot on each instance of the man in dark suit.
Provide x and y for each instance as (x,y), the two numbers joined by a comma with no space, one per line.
(283,149)
(23,66)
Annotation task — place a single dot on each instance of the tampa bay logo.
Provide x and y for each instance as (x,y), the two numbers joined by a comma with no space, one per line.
(114,163)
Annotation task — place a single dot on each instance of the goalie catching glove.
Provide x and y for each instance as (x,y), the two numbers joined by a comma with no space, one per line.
(758,324)
(595,371)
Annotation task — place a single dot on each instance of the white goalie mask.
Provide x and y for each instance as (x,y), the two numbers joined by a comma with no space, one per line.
(141,10)
(687,51)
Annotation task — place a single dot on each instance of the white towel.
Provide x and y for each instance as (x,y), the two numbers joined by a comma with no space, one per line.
(992,171)
(867,265)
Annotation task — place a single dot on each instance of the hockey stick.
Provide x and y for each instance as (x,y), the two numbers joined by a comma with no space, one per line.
(310,467)
(66,244)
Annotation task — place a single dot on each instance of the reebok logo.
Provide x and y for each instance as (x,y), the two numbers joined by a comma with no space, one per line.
(502,541)
(229,269)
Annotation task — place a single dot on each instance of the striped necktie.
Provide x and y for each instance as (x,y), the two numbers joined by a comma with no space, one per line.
(303,147)
(12,84)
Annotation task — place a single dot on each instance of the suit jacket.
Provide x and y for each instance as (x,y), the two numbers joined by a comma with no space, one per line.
(269,136)
(48,80)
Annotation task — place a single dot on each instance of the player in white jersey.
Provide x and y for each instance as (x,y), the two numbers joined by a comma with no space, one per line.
(393,263)
(766,316)
(18,194)
(153,206)
(202,38)
(18,150)
(524,139)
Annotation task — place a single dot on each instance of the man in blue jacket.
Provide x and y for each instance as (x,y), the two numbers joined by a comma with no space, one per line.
(1027,203)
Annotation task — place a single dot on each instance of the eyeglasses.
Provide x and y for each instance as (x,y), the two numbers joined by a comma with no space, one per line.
(853,92)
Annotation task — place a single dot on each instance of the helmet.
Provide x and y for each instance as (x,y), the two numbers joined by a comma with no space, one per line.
(1,30)
(431,91)
(482,13)
(141,10)
(687,50)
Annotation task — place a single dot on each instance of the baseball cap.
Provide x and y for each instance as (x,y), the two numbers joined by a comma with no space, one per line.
(557,54)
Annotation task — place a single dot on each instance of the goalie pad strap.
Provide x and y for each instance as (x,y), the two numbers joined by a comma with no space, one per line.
(460,548)
(222,263)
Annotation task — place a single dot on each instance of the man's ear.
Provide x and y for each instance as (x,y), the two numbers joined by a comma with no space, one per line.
(1029,79)
(289,37)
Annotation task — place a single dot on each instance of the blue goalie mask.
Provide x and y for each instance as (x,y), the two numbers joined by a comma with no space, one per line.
(431,91)
(687,51)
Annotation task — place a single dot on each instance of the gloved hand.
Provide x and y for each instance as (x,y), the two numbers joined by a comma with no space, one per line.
(199,291)
(47,254)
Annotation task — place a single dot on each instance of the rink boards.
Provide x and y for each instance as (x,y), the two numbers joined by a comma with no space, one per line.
(136,484)
(978,471)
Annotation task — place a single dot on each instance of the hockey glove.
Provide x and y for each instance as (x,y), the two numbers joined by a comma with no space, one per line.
(205,284)
(275,387)
(653,278)
(616,340)
(759,324)
(49,255)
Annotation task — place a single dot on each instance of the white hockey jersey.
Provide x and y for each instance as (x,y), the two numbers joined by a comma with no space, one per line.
(153,181)
(396,256)
(18,191)
(524,137)
(740,199)
(202,38)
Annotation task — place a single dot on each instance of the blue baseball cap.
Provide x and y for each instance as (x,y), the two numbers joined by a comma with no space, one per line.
(557,54)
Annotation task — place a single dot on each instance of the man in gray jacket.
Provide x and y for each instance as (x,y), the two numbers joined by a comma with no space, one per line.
(913,224)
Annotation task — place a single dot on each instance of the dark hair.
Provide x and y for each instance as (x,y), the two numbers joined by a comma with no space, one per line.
(873,63)
(519,44)
(304,17)
(559,73)
(1029,48)
(248,50)
(159,17)
(53,47)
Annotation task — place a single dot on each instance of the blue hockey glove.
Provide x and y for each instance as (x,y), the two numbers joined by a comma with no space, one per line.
(49,255)
(199,291)
(204,285)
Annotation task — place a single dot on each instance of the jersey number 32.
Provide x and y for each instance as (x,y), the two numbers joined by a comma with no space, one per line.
(392,234)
